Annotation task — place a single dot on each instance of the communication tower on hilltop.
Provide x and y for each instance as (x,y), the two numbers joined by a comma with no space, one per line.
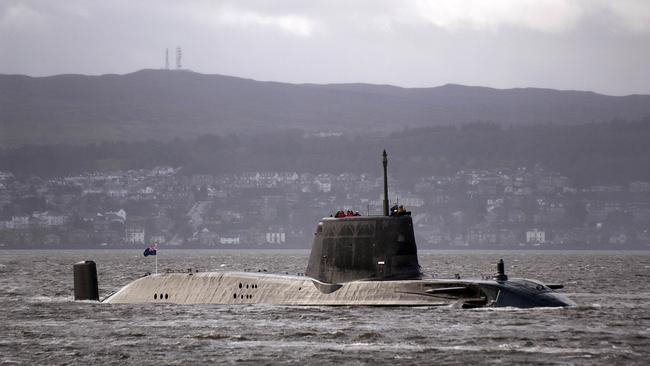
(179,55)
(166,58)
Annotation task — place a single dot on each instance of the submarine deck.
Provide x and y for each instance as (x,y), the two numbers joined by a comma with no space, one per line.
(262,288)
(277,289)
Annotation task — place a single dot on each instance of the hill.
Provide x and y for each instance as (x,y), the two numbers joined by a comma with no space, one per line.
(614,153)
(160,105)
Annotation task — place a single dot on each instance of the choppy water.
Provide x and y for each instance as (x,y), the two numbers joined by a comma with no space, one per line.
(40,324)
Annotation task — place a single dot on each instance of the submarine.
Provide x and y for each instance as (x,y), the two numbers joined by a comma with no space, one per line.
(354,261)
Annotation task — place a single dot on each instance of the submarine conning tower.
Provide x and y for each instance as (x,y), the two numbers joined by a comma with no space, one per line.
(365,247)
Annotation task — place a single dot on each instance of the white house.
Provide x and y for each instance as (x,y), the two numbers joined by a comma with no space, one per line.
(535,236)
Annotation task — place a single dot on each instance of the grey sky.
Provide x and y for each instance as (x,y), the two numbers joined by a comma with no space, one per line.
(599,45)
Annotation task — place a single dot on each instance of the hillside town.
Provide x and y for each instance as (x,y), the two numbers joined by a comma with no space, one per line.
(497,208)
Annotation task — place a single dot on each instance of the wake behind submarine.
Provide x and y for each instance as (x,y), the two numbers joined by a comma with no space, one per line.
(355,260)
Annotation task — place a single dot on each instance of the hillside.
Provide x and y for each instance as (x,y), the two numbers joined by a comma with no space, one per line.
(158,104)
(589,154)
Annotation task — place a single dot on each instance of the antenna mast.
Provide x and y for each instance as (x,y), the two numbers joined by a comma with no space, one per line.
(179,55)
(166,58)
(385,161)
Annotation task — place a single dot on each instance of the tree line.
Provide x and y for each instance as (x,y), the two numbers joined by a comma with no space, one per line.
(599,153)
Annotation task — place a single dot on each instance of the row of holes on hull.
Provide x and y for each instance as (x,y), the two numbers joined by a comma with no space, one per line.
(242,287)
(241,296)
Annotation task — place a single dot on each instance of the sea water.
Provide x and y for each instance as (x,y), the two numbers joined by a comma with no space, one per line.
(41,324)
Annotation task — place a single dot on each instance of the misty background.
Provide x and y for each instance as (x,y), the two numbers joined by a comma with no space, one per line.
(594,45)
(509,124)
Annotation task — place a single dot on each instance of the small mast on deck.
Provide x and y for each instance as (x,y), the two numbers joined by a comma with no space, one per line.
(385,161)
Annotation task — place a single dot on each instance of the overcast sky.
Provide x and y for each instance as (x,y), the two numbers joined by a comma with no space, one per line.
(598,45)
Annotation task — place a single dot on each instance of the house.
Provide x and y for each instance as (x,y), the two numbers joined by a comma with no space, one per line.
(408,201)
(482,235)
(606,189)
(50,218)
(275,236)
(5,175)
(549,182)
(323,183)
(163,171)
(639,187)
(598,211)
(119,215)
(157,238)
(229,240)
(488,185)
(517,215)
(640,212)
(134,233)
(619,237)
(495,212)
(535,237)
(18,222)
(117,192)
(549,212)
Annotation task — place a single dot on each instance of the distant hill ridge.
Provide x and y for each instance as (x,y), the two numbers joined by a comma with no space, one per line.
(160,104)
